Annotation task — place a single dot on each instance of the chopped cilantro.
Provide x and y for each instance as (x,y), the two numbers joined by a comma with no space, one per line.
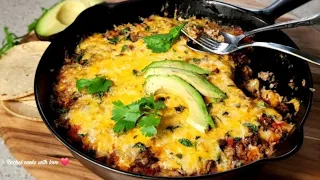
(82,135)
(125,30)
(136,72)
(196,60)
(185,142)
(145,110)
(159,43)
(148,28)
(172,128)
(219,158)
(179,156)
(261,104)
(141,146)
(62,110)
(124,48)
(252,127)
(186,52)
(79,57)
(94,86)
(113,40)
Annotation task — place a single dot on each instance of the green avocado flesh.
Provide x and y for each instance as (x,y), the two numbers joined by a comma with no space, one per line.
(177,64)
(60,16)
(198,82)
(198,117)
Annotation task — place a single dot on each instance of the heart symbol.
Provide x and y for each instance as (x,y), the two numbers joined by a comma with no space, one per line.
(64,161)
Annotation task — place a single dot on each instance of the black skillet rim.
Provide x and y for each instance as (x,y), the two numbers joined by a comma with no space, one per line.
(95,162)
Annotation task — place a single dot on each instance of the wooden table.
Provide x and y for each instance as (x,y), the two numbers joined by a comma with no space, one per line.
(28,140)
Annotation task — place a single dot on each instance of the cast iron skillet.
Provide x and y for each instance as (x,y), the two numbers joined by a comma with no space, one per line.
(104,16)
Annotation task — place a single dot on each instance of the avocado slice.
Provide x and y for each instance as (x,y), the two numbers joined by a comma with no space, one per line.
(177,64)
(60,16)
(198,117)
(198,82)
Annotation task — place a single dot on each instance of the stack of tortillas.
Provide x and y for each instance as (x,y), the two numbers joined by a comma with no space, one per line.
(17,73)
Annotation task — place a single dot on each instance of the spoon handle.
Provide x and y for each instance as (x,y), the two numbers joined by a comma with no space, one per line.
(285,49)
(306,21)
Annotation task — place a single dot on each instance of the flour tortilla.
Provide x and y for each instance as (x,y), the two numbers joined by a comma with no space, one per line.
(17,69)
(26,98)
(21,110)
(31,103)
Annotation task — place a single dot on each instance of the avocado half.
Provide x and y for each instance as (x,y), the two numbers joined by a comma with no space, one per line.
(198,117)
(60,16)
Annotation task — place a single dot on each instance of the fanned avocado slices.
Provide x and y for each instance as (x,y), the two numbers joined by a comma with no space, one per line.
(198,117)
(198,82)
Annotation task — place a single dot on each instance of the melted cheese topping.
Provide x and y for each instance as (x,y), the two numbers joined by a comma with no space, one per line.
(94,117)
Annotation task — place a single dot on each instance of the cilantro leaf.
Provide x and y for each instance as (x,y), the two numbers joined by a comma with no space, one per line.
(119,109)
(141,146)
(149,131)
(113,40)
(176,31)
(185,142)
(124,48)
(94,86)
(160,43)
(10,41)
(252,127)
(123,126)
(151,120)
(143,113)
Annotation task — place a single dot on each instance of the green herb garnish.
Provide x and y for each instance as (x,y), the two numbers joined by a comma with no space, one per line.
(179,156)
(185,142)
(124,48)
(141,146)
(113,40)
(159,43)
(97,85)
(143,113)
(10,41)
(253,127)
(172,128)
(125,30)
(148,28)
(196,60)
(82,135)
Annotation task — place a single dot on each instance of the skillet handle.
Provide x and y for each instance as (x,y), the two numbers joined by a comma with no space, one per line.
(279,8)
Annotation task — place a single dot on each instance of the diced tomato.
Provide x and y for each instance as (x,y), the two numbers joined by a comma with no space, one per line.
(275,125)
(73,133)
(230,141)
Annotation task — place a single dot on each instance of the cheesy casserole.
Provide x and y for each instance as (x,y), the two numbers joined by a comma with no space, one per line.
(245,129)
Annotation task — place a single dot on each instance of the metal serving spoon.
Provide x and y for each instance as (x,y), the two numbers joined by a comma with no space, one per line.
(206,44)
(306,21)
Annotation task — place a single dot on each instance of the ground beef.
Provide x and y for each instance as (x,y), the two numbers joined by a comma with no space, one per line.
(265,121)
(145,164)
(211,167)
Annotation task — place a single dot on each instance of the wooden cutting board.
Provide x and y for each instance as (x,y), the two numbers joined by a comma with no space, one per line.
(29,140)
